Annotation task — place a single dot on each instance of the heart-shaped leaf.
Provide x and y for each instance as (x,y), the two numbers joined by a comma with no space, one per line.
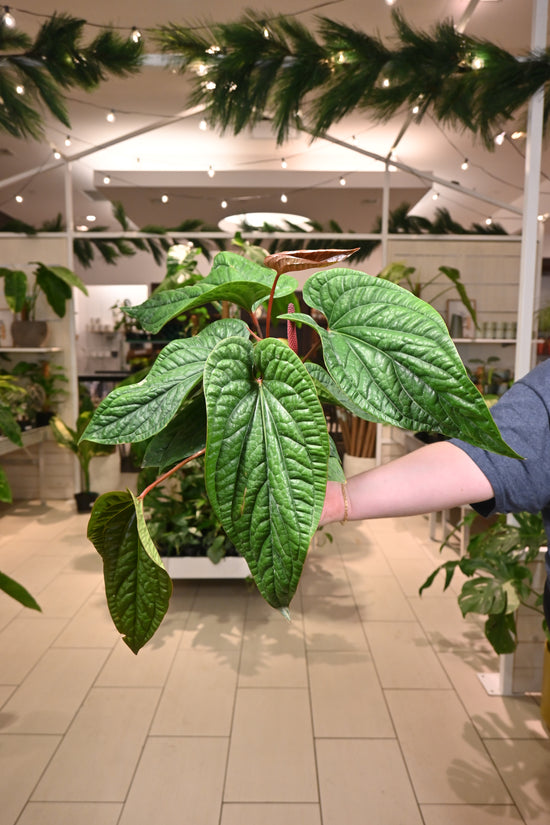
(138,411)
(232,278)
(137,586)
(266,458)
(391,354)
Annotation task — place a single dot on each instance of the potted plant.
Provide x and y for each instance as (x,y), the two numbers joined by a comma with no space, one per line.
(54,283)
(49,378)
(84,451)
(388,357)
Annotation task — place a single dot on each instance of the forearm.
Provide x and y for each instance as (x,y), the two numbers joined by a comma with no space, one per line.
(434,477)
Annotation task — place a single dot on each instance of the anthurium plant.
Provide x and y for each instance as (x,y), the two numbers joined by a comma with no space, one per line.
(248,403)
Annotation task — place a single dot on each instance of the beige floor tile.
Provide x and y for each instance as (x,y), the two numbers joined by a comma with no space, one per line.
(525,768)
(332,623)
(92,626)
(5,693)
(346,697)
(270,814)
(22,760)
(9,609)
(495,717)
(37,571)
(97,758)
(178,780)
(150,667)
(199,694)
(365,562)
(216,619)
(324,573)
(403,656)
(381,599)
(70,813)
(470,814)
(271,756)
(364,781)
(411,573)
(445,757)
(445,626)
(14,552)
(66,594)
(49,697)
(23,642)
(273,653)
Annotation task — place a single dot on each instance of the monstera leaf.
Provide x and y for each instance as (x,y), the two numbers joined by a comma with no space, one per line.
(266,458)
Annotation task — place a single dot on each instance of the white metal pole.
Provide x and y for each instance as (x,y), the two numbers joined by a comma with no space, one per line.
(529,271)
(71,361)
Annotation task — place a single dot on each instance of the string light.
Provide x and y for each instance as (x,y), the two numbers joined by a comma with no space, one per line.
(111,117)
(203,125)
(106,180)
(135,34)
(56,154)
(342,180)
(210,85)
(478,63)
(385,83)
(164,198)
(499,139)
(517,135)
(19,198)
(8,19)
(416,109)
(464,165)
(488,221)
(223,204)
(266,33)
(20,89)
(284,198)
(202,70)
(391,2)
(211,171)
(91,218)
(68,140)
(435,195)
(284,164)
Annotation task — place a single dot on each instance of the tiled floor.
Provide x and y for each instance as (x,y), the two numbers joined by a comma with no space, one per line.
(365,710)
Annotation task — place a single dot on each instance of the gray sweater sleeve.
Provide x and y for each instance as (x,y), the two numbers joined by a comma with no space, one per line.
(523,417)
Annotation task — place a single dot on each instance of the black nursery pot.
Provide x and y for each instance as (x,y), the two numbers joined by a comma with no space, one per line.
(84,501)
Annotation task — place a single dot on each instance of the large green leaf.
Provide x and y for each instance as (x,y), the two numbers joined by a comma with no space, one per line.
(18,592)
(391,354)
(232,278)
(266,458)
(136,412)
(5,489)
(137,586)
(15,288)
(9,426)
(181,438)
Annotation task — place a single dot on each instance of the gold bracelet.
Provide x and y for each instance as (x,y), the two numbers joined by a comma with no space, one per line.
(346,503)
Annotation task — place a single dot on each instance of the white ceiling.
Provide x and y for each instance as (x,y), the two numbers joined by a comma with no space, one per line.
(174,159)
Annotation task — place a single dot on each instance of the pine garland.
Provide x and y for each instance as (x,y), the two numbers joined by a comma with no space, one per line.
(248,69)
(55,61)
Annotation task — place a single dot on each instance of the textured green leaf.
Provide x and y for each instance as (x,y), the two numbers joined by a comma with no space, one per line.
(18,592)
(138,411)
(5,489)
(15,288)
(137,586)
(232,278)
(182,437)
(391,353)
(329,392)
(335,469)
(482,595)
(266,458)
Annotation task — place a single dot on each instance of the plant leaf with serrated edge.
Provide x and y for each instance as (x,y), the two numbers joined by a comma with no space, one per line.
(266,458)
(138,411)
(391,353)
(335,469)
(18,592)
(137,586)
(185,435)
(232,279)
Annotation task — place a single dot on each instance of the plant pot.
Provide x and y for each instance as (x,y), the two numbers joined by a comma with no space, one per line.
(84,501)
(545,697)
(29,333)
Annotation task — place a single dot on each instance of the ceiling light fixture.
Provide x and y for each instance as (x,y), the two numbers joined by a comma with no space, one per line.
(68,140)
(8,19)
(342,180)
(110,117)
(19,198)
(488,221)
(223,204)
(164,198)
(284,198)
(57,154)
(465,164)
(203,125)
(106,180)
(91,218)
(211,171)
(135,34)
(284,164)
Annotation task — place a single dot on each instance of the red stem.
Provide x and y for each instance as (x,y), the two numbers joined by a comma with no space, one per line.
(169,473)
(270,305)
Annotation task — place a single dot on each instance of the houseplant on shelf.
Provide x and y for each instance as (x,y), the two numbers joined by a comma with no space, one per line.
(388,358)
(53,282)
(84,450)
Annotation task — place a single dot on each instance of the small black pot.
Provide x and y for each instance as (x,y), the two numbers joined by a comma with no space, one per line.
(84,501)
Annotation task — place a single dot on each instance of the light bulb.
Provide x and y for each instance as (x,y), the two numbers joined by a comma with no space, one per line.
(210,85)
(68,140)
(499,139)
(464,165)
(111,117)
(20,89)
(435,196)
(135,34)
(478,63)
(164,198)
(106,180)
(488,221)
(415,109)
(8,19)
(266,33)
(284,164)
(19,198)
(203,125)
(391,2)
(211,171)
(385,83)
(90,218)
(202,70)
(517,135)
(284,198)
(342,180)
(56,154)
(223,204)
